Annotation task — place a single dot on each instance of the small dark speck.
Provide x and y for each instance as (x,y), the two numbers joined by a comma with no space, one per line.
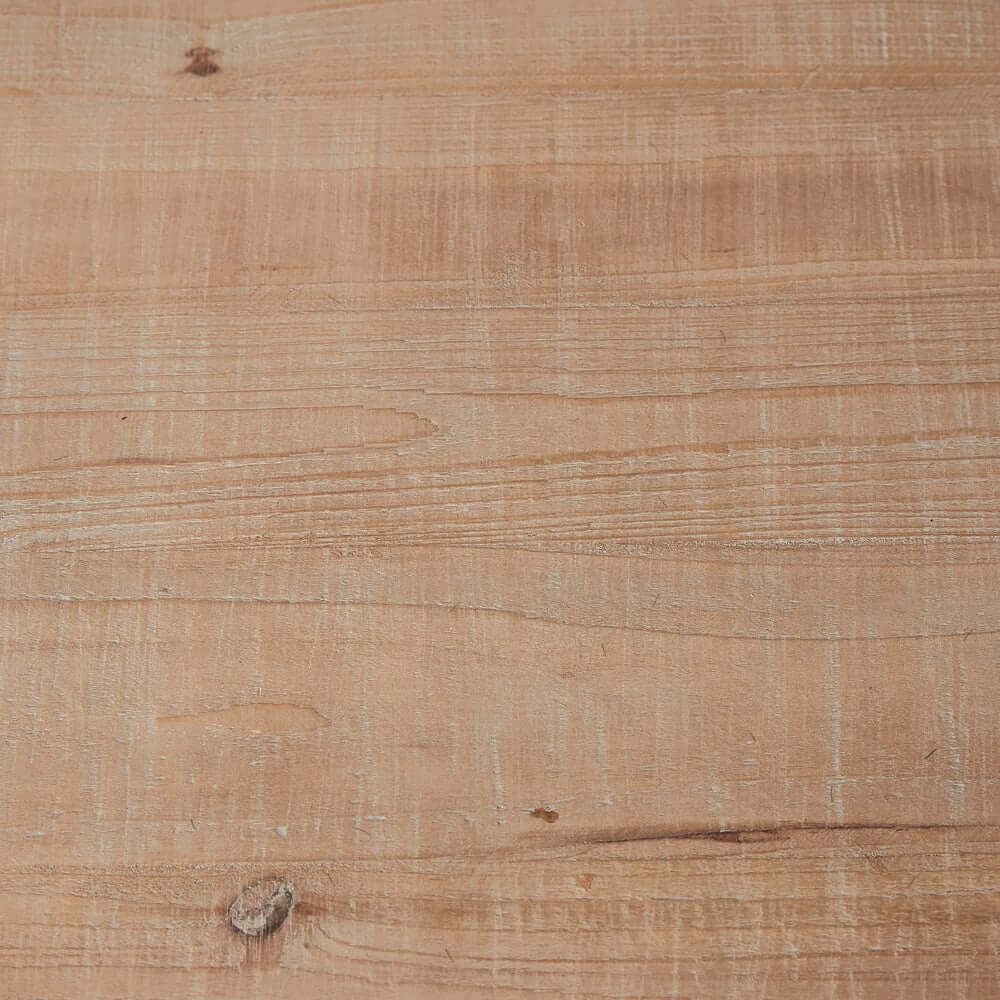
(546,814)
(124,418)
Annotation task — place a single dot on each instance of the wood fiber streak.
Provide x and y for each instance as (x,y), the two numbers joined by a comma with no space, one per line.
(500,500)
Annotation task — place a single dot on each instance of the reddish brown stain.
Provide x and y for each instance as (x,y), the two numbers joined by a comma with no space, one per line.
(202,61)
(584,881)
(543,813)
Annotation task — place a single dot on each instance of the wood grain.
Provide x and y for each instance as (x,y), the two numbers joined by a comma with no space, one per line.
(522,476)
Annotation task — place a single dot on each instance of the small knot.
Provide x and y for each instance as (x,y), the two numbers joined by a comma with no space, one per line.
(261,908)
(202,61)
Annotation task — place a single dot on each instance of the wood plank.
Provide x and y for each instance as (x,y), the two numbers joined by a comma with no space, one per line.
(425,225)
(854,911)
(462,131)
(430,702)
(265,47)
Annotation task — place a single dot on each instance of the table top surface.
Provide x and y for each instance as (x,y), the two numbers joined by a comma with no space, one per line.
(499,500)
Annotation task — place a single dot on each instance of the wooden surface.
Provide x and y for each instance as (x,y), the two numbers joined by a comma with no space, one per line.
(523,475)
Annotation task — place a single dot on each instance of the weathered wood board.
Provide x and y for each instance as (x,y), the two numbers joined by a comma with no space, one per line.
(523,475)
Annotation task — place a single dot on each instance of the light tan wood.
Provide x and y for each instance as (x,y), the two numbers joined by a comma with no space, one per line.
(523,476)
